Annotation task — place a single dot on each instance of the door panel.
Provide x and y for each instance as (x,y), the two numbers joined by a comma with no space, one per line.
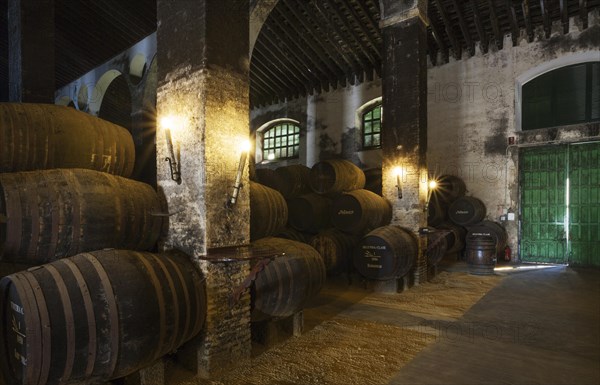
(584,202)
(543,206)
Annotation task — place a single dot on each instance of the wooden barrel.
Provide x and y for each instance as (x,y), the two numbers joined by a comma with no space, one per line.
(293,180)
(52,214)
(268,177)
(97,316)
(437,246)
(449,188)
(455,237)
(386,253)
(373,180)
(310,213)
(466,211)
(360,211)
(268,211)
(481,255)
(46,136)
(284,286)
(294,235)
(489,229)
(336,249)
(436,212)
(335,176)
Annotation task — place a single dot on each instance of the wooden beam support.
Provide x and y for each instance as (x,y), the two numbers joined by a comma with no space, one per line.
(512,18)
(546,18)
(372,43)
(483,38)
(464,28)
(583,13)
(564,15)
(527,17)
(495,25)
(448,26)
(435,32)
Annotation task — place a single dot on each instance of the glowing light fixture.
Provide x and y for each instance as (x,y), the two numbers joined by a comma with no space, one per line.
(431,187)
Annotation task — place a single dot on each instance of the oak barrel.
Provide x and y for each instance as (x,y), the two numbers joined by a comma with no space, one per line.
(310,212)
(360,211)
(437,246)
(386,253)
(268,211)
(449,188)
(455,237)
(46,136)
(293,180)
(436,211)
(466,211)
(284,286)
(97,316)
(294,235)
(373,180)
(268,177)
(335,176)
(489,229)
(336,249)
(481,255)
(52,214)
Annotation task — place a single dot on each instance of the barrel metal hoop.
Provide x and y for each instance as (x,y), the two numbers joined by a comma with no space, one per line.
(69,321)
(176,312)
(89,310)
(186,295)
(161,303)
(45,327)
(112,309)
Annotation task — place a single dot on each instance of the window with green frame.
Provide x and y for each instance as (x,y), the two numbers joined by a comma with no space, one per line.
(566,95)
(281,141)
(371,128)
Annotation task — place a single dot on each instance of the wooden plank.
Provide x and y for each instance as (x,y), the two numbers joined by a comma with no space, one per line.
(483,38)
(512,18)
(284,62)
(464,28)
(448,26)
(495,25)
(435,32)
(527,17)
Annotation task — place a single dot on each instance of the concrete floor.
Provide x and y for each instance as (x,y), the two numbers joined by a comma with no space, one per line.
(539,326)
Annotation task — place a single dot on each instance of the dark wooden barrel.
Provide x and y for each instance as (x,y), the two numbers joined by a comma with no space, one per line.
(46,136)
(294,235)
(268,211)
(286,283)
(360,211)
(373,180)
(336,249)
(97,316)
(309,213)
(481,255)
(335,176)
(294,180)
(52,214)
(268,177)
(456,236)
(436,211)
(489,229)
(449,188)
(386,253)
(466,211)
(437,246)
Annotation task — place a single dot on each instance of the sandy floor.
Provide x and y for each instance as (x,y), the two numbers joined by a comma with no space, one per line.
(353,336)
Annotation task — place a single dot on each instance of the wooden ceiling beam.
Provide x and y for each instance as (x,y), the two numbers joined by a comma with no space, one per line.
(372,22)
(439,40)
(372,43)
(564,15)
(512,18)
(483,38)
(282,61)
(464,28)
(495,25)
(546,18)
(583,13)
(527,17)
(277,75)
(448,26)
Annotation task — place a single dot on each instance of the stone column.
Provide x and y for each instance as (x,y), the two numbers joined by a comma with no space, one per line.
(404,141)
(31,51)
(203,86)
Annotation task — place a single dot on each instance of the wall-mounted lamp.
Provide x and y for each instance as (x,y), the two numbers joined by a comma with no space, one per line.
(245,149)
(399,175)
(168,123)
(431,187)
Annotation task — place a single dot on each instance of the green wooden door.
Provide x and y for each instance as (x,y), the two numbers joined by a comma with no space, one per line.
(560,204)
(543,204)
(584,204)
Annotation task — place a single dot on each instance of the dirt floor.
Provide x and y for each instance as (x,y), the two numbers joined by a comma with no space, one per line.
(355,336)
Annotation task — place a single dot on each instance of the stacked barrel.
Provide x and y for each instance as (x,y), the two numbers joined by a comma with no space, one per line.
(64,199)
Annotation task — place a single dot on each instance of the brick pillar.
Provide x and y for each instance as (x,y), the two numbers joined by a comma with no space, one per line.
(203,83)
(404,141)
(31,51)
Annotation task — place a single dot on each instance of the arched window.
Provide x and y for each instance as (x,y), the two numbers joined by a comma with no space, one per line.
(281,141)
(371,128)
(566,95)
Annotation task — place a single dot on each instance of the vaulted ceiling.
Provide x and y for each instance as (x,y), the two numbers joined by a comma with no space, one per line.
(310,46)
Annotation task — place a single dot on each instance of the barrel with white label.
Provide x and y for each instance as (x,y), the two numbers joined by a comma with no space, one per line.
(386,253)
(360,211)
(466,211)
